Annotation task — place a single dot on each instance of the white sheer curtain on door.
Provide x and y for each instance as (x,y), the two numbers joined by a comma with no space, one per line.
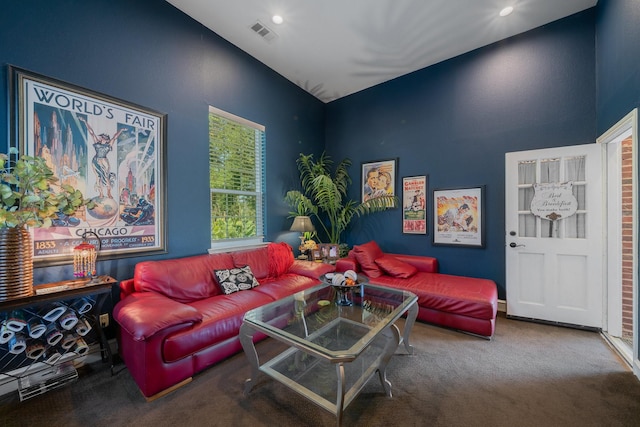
(575,225)
(550,171)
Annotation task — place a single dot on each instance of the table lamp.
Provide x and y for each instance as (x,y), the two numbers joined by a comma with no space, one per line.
(303,225)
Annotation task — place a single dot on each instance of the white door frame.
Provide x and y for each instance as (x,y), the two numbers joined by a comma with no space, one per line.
(612,299)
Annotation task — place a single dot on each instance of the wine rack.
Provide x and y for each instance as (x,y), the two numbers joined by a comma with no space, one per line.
(41,336)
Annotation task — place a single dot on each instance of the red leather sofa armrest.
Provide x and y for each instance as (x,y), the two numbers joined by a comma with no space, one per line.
(310,269)
(344,264)
(422,263)
(144,314)
(127,287)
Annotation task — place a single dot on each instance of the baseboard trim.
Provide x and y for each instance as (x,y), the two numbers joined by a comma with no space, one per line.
(555,323)
(502,306)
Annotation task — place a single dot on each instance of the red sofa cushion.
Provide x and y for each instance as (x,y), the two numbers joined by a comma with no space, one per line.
(280,258)
(257,259)
(285,285)
(310,269)
(396,268)
(366,255)
(221,320)
(171,278)
(465,296)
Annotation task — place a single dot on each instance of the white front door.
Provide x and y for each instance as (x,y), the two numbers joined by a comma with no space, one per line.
(554,258)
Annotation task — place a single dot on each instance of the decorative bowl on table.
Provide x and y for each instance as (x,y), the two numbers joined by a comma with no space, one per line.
(344,284)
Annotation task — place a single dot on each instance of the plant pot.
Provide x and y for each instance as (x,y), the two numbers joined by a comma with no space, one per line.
(16,264)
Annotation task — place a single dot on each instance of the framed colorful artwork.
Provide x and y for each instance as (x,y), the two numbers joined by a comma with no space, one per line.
(458,217)
(111,150)
(379,179)
(414,205)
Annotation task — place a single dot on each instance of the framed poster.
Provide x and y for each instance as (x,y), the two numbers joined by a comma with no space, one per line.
(414,205)
(109,149)
(459,217)
(379,179)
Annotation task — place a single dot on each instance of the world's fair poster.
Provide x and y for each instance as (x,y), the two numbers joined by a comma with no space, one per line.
(110,150)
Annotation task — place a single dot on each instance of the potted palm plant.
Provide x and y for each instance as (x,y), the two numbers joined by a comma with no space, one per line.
(30,196)
(324,196)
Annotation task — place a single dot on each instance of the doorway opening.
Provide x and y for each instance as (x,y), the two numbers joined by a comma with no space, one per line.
(621,328)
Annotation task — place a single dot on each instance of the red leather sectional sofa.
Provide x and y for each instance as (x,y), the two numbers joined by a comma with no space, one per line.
(175,320)
(463,303)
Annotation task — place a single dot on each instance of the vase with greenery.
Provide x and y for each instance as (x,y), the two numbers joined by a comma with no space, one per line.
(324,196)
(30,196)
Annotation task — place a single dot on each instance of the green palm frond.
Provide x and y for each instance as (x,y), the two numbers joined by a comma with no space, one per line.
(326,194)
(342,178)
(300,203)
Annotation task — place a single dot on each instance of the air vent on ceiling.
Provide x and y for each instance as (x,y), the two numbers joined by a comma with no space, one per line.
(263,31)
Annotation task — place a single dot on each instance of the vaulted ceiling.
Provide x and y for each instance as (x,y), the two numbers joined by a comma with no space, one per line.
(333,48)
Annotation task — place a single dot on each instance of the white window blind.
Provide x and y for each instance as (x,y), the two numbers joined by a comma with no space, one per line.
(236,180)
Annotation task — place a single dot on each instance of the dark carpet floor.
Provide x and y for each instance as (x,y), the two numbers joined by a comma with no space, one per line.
(528,375)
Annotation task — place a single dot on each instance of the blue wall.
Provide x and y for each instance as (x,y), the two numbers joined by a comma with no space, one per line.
(149,53)
(618,64)
(456,120)
(618,60)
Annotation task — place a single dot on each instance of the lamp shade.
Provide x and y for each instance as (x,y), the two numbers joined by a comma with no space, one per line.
(302,224)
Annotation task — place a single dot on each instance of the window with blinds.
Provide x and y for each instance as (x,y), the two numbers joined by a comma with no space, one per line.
(236,180)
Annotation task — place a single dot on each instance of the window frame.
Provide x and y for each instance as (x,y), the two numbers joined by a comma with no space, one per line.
(224,245)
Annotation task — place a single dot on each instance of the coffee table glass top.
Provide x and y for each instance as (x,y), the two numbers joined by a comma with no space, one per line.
(312,320)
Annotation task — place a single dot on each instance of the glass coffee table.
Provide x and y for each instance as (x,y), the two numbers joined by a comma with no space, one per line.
(333,349)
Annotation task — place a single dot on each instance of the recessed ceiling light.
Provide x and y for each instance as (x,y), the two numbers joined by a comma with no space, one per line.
(506,11)
(277,19)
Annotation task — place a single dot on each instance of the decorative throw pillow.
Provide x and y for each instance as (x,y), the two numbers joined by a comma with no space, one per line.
(396,268)
(366,256)
(236,279)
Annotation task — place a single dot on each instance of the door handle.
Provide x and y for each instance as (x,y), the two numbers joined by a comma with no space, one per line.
(513,245)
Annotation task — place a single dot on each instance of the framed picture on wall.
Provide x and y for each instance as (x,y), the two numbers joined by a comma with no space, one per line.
(458,217)
(414,205)
(379,179)
(111,150)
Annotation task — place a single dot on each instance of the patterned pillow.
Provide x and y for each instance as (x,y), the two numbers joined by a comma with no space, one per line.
(236,279)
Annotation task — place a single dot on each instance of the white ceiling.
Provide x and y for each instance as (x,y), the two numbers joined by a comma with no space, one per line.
(333,48)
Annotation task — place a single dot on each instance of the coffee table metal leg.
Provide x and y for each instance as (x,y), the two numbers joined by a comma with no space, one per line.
(412,314)
(340,392)
(389,349)
(246,339)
